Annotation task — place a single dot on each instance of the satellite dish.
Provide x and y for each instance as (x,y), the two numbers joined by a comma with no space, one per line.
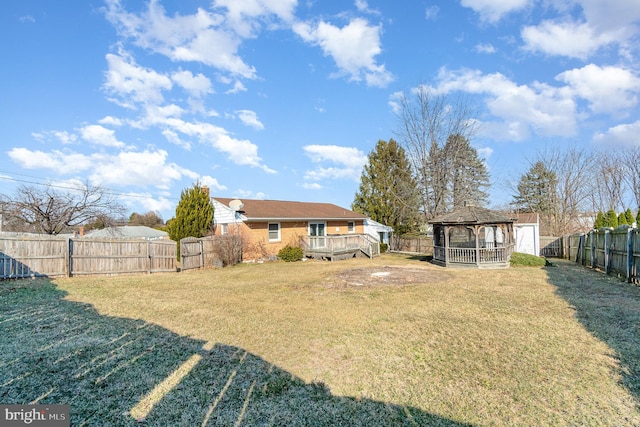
(236,205)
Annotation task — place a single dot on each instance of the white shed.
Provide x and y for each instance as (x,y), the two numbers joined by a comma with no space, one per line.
(527,233)
(378,231)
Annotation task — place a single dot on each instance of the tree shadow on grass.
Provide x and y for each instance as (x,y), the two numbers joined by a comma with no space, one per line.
(125,372)
(609,309)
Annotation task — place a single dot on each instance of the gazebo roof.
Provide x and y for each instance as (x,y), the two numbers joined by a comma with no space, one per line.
(471,215)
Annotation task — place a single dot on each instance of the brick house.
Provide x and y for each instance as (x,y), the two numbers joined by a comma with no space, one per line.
(266,226)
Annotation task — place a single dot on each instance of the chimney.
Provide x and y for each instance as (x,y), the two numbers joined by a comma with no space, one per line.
(81,230)
(206,190)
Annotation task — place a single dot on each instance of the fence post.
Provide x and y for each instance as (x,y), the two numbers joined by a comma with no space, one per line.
(630,235)
(67,256)
(149,256)
(607,250)
(592,245)
(201,253)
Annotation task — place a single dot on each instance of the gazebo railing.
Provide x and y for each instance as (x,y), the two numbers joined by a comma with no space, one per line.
(472,255)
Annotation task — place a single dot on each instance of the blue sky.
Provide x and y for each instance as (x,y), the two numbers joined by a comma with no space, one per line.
(284,99)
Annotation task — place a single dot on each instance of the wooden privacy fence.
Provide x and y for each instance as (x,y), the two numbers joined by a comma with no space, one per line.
(213,251)
(613,251)
(58,256)
(418,245)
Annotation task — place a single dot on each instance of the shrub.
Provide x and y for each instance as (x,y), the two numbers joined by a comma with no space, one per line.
(290,254)
(383,247)
(519,259)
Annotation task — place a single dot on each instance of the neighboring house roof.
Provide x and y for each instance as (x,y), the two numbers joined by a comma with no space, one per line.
(128,232)
(471,215)
(271,210)
(526,218)
(368,222)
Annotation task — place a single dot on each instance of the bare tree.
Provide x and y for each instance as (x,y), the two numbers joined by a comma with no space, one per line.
(52,210)
(573,169)
(631,167)
(427,121)
(608,182)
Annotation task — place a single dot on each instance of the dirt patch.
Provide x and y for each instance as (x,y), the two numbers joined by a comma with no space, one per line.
(388,276)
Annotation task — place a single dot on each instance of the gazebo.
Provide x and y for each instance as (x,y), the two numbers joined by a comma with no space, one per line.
(474,237)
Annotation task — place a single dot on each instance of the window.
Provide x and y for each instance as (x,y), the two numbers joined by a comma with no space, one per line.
(274,232)
(351,227)
(224,229)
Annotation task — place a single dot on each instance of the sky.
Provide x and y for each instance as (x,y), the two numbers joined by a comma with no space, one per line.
(285,99)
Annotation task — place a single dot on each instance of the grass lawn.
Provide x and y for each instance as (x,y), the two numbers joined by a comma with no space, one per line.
(390,341)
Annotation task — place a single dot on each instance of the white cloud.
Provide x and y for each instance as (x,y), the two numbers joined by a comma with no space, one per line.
(57,161)
(621,135)
(571,39)
(349,162)
(148,202)
(141,168)
(200,37)
(100,135)
(250,118)
(132,83)
(63,136)
(494,10)
(607,89)
(240,152)
(111,121)
(431,13)
(246,17)
(352,47)
(485,48)
(538,107)
(212,183)
(197,85)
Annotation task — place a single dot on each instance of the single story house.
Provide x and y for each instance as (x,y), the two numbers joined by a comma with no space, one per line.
(527,233)
(266,226)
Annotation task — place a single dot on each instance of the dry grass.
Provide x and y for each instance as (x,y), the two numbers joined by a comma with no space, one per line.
(320,343)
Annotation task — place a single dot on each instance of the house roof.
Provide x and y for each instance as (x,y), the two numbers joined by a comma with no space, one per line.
(471,215)
(262,210)
(128,232)
(526,218)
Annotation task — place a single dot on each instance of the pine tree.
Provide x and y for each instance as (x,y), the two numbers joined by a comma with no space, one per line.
(622,219)
(600,221)
(194,214)
(388,192)
(468,175)
(629,216)
(536,190)
(611,219)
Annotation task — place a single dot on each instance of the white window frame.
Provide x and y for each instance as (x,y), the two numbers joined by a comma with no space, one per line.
(224,229)
(351,226)
(269,231)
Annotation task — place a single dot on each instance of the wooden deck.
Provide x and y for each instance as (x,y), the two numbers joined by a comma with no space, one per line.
(339,247)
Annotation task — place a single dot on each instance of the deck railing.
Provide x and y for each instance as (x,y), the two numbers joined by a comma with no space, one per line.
(341,244)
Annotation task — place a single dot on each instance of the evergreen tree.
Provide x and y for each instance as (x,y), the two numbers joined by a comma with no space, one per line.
(600,221)
(388,192)
(536,190)
(622,219)
(629,216)
(468,175)
(611,219)
(194,214)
